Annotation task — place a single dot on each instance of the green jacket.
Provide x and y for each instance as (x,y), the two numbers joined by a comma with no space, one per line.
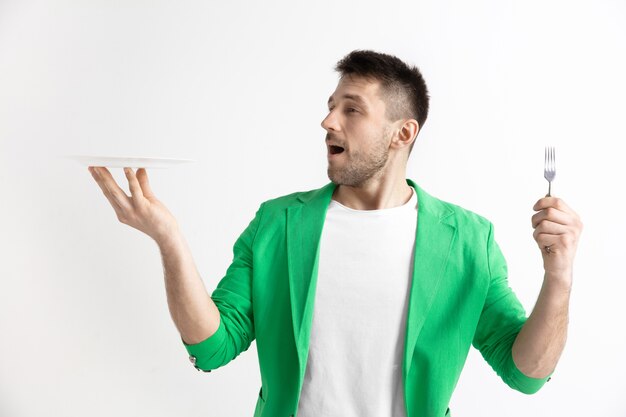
(459,297)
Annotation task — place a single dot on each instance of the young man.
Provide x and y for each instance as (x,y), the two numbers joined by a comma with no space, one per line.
(364,296)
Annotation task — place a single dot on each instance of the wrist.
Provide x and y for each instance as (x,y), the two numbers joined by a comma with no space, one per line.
(561,280)
(169,239)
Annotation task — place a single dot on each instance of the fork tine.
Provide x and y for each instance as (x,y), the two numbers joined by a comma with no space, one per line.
(550,164)
(549,169)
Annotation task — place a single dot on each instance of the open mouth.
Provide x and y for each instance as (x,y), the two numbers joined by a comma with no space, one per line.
(335,149)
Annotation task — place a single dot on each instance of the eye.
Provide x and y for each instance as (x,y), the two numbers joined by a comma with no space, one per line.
(351,110)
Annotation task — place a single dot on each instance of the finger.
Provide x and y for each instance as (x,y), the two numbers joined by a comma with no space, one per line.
(554,202)
(142,177)
(555,242)
(96,175)
(550,228)
(116,196)
(133,184)
(544,241)
(553,215)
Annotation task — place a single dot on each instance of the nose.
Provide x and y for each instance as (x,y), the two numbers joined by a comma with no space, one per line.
(330,122)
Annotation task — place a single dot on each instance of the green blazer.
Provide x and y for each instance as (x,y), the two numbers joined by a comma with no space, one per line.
(459,297)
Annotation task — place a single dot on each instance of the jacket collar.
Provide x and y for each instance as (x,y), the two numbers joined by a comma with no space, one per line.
(321,198)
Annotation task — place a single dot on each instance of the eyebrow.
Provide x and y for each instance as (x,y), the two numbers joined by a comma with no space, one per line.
(353,97)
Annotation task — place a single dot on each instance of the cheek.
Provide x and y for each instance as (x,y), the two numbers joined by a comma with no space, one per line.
(360,130)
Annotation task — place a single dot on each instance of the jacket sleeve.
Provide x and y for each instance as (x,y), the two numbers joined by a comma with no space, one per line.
(233,298)
(500,322)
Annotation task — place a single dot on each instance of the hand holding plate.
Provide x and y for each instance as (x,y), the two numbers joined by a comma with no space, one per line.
(142,210)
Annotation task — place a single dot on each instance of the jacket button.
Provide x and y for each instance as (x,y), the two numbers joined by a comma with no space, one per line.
(192,359)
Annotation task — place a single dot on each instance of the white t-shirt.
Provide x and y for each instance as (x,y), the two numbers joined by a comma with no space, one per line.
(354,367)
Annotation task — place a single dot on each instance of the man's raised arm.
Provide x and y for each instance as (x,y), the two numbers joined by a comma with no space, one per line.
(541,340)
(194,313)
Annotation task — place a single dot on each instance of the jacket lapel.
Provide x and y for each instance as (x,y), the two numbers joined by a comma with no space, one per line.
(433,241)
(304,229)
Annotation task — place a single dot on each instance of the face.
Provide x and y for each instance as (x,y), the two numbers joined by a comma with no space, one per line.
(357,132)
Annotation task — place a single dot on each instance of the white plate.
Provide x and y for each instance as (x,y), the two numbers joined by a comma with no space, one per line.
(127,161)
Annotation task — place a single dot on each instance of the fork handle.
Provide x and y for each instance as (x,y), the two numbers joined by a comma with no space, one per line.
(549,189)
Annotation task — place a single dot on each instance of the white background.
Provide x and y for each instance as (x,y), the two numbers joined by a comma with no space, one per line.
(242,88)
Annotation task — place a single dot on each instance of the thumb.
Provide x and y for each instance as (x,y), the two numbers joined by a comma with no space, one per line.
(142,177)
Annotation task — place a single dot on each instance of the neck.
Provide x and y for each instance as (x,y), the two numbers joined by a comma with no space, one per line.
(376,193)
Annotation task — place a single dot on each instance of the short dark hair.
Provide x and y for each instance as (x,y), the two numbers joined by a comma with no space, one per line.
(403,86)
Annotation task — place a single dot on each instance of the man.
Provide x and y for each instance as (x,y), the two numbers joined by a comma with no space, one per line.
(364,296)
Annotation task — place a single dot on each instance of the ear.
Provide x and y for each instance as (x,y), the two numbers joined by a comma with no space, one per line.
(406,133)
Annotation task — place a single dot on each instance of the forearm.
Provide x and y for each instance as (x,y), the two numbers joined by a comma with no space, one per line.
(195,315)
(541,340)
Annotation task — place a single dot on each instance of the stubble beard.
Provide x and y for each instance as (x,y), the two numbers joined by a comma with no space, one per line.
(360,167)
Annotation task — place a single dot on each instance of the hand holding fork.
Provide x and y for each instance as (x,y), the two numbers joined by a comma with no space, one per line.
(557,227)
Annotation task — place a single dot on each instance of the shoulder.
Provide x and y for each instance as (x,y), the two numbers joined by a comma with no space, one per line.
(448,211)
(472,228)
(467,217)
(474,233)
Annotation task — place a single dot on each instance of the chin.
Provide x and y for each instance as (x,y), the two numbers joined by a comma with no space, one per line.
(334,177)
(331,177)
(338,180)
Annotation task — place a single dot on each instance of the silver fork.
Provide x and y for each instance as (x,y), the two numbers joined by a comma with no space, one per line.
(549,168)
